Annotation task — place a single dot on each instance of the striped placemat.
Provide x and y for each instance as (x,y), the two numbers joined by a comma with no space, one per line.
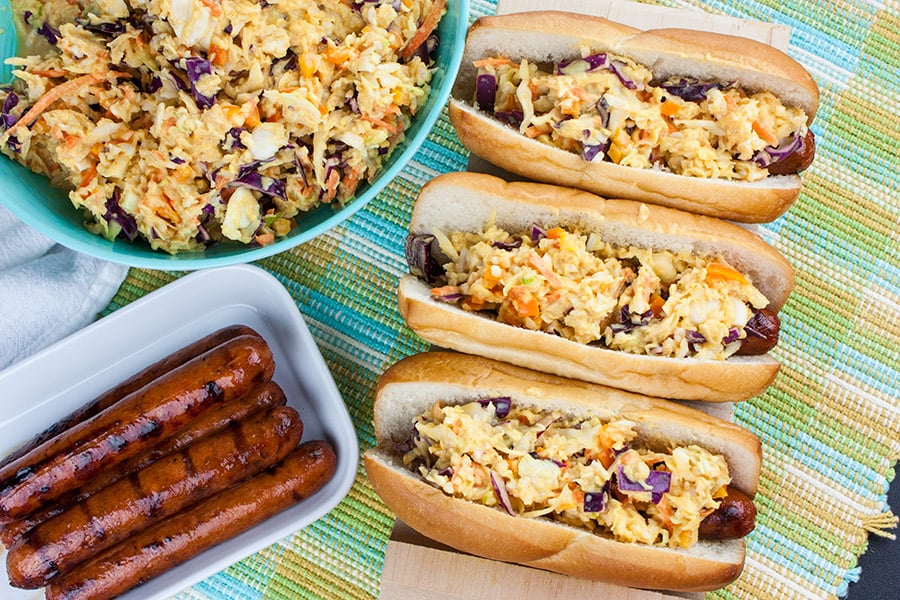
(830,423)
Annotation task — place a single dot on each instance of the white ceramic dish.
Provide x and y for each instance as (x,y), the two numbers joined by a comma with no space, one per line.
(47,386)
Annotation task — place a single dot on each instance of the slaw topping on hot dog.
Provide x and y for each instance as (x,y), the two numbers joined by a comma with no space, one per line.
(581,471)
(608,107)
(578,286)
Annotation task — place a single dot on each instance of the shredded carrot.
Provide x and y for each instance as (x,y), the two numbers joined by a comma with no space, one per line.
(578,496)
(665,511)
(473,304)
(669,124)
(765,133)
(445,290)
(307,66)
(390,127)
(252,119)
(656,304)
(264,239)
(331,185)
(524,302)
(556,233)
(337,55)
(88,176)
(50,73)
(492,62)
(64,89)
(533,131)
(492,276)
(541,267)
(716,271)
(217,55)
(213,6)
(351,180)
(604,455)
(730,102)
(669,108)
(428,24)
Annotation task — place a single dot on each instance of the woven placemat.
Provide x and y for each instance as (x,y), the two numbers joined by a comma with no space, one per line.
(830,423)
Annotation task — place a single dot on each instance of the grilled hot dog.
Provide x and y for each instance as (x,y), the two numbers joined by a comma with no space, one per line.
(186,534)
(133,383)
(137,422)
(558,474)
(208,423)
(733,519)
(157,491)
(644,298)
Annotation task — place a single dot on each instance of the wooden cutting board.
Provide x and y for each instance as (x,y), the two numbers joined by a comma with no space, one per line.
(416,567)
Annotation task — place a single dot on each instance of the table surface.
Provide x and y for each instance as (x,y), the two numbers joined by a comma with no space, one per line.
(830,424)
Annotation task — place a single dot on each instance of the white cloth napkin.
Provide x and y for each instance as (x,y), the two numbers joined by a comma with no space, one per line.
(47,291)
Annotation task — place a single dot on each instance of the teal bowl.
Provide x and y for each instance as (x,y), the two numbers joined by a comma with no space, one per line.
(49,211)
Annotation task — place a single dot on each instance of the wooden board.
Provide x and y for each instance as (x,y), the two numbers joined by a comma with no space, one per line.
(420,568)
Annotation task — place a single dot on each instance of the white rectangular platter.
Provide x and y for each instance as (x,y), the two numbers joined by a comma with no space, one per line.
(41,389)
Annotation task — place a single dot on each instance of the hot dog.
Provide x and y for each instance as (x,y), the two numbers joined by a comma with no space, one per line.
(703,122)
(521,466)
(157,491)
(208,423)
(616,292)
(133,383)
(186,534)
(135,423)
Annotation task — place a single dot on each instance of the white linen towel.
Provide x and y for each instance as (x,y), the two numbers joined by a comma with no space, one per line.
(47,291)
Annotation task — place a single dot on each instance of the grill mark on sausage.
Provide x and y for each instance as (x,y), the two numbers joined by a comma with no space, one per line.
(150,428)
(133,383)
(166,401)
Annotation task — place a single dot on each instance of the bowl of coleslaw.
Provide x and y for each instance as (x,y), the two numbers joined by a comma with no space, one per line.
(189,134)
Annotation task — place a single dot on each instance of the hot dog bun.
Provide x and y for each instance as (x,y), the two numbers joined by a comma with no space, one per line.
(414,384)
(467,201)
(552,36)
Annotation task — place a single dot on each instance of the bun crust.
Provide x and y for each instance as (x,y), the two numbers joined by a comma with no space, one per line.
(415,383)
(466,201)
(549,35)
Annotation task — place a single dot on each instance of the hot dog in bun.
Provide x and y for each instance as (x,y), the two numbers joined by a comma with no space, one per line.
(621,293)
(708,123)
(520,466)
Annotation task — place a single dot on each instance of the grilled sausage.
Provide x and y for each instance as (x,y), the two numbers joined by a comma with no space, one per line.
(133,383)
(798,160)
(210,422)
(735,518)
(137,422)
(763,330)
(161,489)
(183,536)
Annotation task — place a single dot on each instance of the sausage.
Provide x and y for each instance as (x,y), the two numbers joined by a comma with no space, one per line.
(762,330)
(798,160)
(155,492)
(190,532)
(208,423)
(137,422)
(135,382)
(735,518)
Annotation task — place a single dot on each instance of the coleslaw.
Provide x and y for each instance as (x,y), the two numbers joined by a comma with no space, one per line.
(190,122)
